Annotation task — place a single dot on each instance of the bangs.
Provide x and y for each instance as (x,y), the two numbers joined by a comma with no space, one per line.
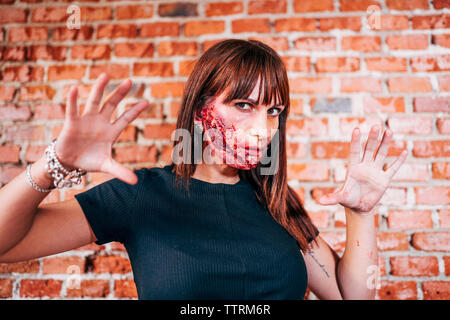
(241,74)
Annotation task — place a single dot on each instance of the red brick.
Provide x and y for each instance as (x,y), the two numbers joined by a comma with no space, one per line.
(261,25)
(197,28)
(30,266)
(431,22)
(366,84)
(330,150)
(67,265)
(308,171)
(311,85)
(409,84)
(411,125)
(295,24)
(89,288)
(391,22)
(128,134)
(111,264)
(397,290)
(337,64)
(443,125)
(37,288)
(159,131)
(441,170)
(296,106)
(295,150)
(307,127)
(160,29)
(315,43)
(19,34)
(414,266)
(435,148)
(447,265)
(113,31)
(64,33)
(336,240)
(50,14)
(95,13)
(153,69)
(11,15)
(23,73)
(14,112)
(347,125)
(49,111)
(66,72)
(167,89)
(409,219)
(170,48)
(46,52)
(407,4)
(444,83)
(177,9)
(14,54)
(384,104)
(413,172)
(115,71)
(6,287)
(428,104)
(9,154)
(7,93)
(276,43)
(93,52)
(358,5)
(24,133)
(436,290)
(407,42)
(134,49)
(386,64)
(432,195)
(330,23)
(430,63)
(392,241)
(125,289)
(31,93)
(136,154)
(361,43)
(441,4)
(313,6)
(134,11)
(442,40)
(431,241)
(223,8)
(320,218)
(266,6)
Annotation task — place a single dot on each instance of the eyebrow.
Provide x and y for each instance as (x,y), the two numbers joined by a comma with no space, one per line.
(256,102)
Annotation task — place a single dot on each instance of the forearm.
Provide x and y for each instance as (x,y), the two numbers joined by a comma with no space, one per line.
(18,204)
(358,267)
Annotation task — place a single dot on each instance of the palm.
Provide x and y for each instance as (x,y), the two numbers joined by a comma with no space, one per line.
(366,181)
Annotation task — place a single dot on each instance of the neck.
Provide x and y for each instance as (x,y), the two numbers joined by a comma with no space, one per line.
(216,173)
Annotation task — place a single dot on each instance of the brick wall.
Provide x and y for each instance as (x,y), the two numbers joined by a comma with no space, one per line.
(350,62)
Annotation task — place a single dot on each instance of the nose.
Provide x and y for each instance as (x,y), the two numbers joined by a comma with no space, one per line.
(258,127)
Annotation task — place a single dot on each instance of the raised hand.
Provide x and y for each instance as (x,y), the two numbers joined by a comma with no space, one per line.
(366,181)
(86,141)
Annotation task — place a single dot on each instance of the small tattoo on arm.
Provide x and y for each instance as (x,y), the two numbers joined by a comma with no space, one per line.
(320,265)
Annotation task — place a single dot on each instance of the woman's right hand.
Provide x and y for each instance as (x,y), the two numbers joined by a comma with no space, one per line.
(86,141)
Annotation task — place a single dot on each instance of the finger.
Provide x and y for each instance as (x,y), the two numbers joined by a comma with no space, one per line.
(128,116)
(330,199)
(383,149)
(393,168)
(119,171)
(355,148)
(371,144)
(71,104)
(115,97)
(96,94)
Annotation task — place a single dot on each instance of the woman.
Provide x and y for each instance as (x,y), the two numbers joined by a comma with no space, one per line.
(225,227)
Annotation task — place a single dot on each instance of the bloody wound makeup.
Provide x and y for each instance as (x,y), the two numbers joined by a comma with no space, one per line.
(227,142)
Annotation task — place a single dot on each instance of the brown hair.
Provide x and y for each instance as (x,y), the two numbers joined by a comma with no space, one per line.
(235,65)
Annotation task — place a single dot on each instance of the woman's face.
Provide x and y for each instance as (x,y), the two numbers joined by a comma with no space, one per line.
(238,133)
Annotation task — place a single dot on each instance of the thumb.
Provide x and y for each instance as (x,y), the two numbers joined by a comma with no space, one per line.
(120,171)
(329,199)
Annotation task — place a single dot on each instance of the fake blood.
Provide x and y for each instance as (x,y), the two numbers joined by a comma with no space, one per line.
(223,136)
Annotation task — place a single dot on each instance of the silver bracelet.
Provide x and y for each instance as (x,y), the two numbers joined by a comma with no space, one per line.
(57,171)
(33,184)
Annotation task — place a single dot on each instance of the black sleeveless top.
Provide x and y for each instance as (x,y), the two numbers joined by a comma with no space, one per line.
(216,243)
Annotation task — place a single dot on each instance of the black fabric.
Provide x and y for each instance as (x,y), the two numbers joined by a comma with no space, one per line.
(216,243)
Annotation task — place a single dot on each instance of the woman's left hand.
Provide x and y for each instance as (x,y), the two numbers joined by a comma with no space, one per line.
(366,181)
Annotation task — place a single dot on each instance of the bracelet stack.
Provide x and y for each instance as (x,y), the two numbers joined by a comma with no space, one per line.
(56,171)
